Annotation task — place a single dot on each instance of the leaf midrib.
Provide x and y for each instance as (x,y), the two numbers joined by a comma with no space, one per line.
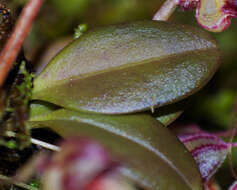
(116,68)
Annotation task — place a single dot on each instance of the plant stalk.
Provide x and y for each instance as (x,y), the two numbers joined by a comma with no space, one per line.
(166,10)
(15,42)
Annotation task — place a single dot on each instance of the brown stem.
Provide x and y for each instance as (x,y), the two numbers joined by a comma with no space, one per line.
(231,139)
(7,180)
(14,43)
(166,10)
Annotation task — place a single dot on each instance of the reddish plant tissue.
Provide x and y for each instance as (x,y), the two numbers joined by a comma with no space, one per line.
(109,182)
(212,185)
(81,164)
(233,186)
(188,4)
(208,150)
(230,8)
(213,15)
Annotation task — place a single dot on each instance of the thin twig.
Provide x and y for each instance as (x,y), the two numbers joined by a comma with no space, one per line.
(45,145)
(31,167)
(8,180)
(14,43)
(166,10)
(231,140)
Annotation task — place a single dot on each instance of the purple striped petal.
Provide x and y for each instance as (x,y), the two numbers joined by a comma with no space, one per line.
(233,186)
(208,150)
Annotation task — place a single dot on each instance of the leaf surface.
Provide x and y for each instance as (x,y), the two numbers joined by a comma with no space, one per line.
(153,156)
(165,115)
(38,108)
(128,68)
(168,114)
(169,117)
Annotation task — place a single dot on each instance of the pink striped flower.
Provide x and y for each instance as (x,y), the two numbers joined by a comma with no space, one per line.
(208,150)
(213,15)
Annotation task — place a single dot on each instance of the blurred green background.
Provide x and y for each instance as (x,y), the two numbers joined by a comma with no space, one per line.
(211,108)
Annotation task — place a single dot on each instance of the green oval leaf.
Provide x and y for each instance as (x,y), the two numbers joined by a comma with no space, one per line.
(38,108)
(129,67)
(153,155)
(168,114)
(168,118)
